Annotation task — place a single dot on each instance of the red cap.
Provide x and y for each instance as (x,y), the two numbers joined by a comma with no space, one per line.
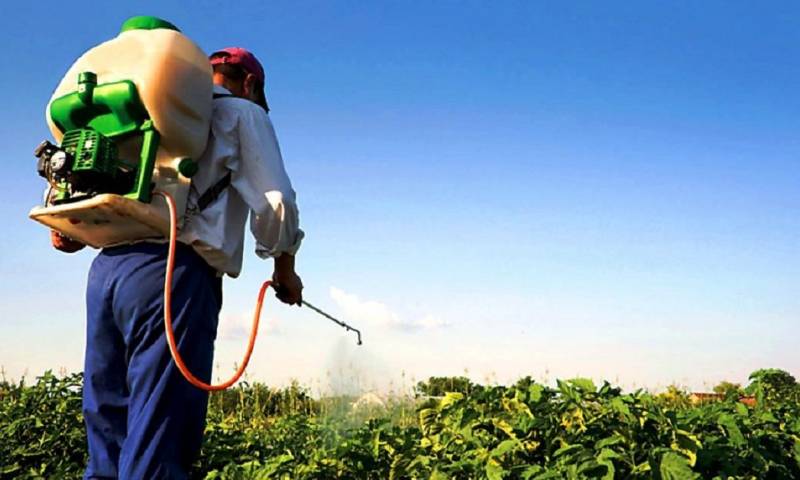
(241,57)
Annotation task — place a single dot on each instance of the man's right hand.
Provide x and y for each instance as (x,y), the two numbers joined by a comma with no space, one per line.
(64,243)
(289,287)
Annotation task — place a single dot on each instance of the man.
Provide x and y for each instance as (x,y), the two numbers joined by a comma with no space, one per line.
(143,419)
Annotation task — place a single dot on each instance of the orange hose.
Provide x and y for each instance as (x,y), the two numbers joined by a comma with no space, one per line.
(173,346)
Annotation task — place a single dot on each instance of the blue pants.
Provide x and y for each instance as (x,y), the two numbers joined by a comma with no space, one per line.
(143,419)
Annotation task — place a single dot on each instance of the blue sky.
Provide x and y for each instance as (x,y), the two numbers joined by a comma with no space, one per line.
(599,189)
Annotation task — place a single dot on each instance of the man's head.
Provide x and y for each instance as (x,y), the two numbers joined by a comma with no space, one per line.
(239,71)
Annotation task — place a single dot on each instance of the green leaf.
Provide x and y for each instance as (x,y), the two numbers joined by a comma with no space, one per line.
(273,464)
(732,429)
(515,407)
(494,471)
(530,471)
(610,441)
(675,467)
(535,392)
(427,421)
(451,398)
(687,444)
(567,451)
(584,384)
(504,447)
(643,467)
(505,427)
(620,407)
(742,409)
(437,475)
(606,458)
(797,451)
(595,469)
(14,467)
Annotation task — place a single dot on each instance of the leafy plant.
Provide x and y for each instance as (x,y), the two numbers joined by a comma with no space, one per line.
(575,430)
(41,428)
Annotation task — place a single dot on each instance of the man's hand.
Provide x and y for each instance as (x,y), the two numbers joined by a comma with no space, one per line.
(289,287)
(64,243)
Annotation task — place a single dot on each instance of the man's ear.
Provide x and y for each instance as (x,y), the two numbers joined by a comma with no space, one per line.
(249,86)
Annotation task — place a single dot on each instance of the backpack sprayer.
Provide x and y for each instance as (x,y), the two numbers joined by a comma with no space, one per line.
(140,114)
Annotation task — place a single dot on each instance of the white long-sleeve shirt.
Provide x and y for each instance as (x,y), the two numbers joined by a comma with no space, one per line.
(242,142)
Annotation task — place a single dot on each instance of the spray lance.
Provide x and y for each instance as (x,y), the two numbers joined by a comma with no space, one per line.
(338,322)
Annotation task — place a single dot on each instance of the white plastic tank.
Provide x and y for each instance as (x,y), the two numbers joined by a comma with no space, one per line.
(173,78)
(171,73)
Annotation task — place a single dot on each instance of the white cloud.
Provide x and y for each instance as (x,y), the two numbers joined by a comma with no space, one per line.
(379,314)
(430,321)
(238,326)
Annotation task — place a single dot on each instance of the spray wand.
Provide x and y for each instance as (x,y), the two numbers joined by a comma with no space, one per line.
(339,322)
(330,317)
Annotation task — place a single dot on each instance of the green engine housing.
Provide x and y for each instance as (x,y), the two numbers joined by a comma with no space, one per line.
(87,162)
(95,163)
(93,152)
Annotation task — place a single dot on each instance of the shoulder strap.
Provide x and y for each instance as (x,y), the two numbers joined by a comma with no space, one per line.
(209,196)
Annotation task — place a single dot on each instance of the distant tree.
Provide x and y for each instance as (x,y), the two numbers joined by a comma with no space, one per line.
(674,397)
(524,383)
(773,384)
(729,390)
(438,386)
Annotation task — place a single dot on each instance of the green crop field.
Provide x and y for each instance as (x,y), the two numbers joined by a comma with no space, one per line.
(451,428)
